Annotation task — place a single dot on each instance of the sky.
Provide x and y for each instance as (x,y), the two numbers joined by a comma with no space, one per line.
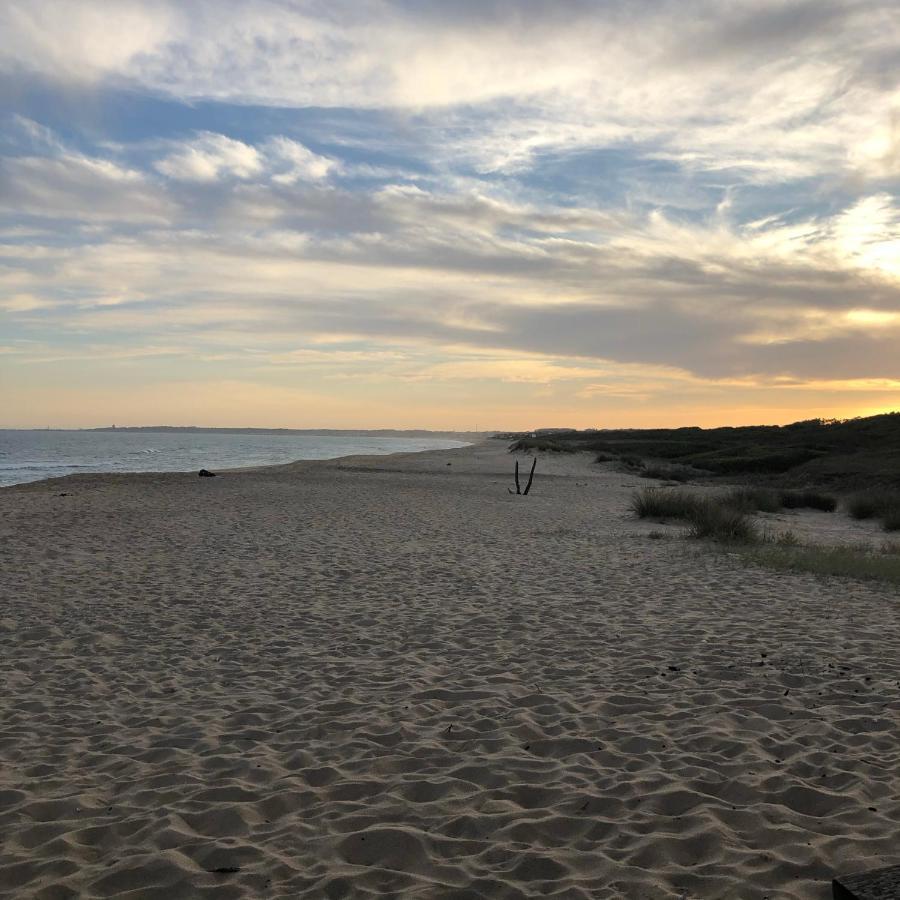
(493,214)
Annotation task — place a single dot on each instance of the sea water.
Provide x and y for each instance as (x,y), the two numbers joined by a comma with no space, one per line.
(35,455)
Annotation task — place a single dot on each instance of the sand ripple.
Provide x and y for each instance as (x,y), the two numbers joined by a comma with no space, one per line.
(395,680)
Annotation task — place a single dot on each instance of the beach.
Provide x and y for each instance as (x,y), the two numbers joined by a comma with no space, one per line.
(390,677)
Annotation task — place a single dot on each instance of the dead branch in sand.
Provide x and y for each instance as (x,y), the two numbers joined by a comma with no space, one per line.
(530,479)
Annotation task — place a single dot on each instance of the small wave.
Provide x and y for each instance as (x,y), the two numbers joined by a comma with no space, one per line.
(41,467)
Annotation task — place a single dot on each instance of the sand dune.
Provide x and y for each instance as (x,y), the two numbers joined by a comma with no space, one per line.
(387,677)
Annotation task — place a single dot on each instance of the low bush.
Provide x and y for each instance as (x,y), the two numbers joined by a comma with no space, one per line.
(808,500)
(760,462)
(782,539)
(754,499)
(866,504)
(657,503)
(722,522)
(707,517)
(884,505)
(890,518)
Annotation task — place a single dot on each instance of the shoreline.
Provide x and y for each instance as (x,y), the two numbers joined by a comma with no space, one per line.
(229,471)
(370,676)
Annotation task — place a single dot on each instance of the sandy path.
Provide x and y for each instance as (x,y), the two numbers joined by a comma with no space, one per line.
(387,677)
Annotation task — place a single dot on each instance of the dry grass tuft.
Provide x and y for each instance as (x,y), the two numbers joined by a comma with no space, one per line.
(707,517)
(862,563)
(883,505)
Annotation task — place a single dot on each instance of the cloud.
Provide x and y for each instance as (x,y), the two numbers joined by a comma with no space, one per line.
(73,185)
(211,156)
(208,157)
(766,301)
(84,40)
(301,163)
(711,85)
(611,197)
(868,234)
(19,303)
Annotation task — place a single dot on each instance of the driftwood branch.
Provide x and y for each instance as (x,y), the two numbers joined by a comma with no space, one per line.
(530,479)
(531,476)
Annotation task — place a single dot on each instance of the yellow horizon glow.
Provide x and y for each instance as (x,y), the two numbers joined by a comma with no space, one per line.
(244,405)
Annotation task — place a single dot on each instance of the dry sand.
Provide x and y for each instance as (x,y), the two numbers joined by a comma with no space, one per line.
(387,677)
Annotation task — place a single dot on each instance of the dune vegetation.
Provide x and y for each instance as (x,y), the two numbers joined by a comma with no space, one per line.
(838,455)
(728,519)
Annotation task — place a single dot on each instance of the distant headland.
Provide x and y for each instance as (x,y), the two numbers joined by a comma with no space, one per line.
(339,432)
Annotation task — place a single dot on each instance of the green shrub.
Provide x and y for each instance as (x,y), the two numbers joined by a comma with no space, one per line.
(722,522)
(707,517)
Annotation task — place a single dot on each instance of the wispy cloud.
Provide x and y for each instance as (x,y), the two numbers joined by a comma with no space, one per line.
(557,194)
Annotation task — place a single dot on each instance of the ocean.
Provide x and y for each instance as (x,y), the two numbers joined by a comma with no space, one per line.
(35,455)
